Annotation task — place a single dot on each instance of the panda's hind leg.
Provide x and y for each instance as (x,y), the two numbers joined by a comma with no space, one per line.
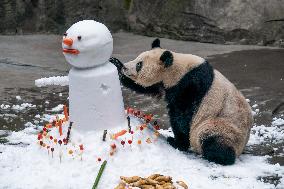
(214,149)
(217,140)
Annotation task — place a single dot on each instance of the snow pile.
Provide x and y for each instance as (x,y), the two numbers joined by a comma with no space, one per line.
(32,167)
(261,134)
(55,80)
(278,121)
(5,106)
(58,108)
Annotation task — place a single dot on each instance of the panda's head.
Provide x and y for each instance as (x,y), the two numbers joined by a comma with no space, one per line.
(150,66)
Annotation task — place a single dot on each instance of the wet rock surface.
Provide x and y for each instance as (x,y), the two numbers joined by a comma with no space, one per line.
(256,71)
(235,21)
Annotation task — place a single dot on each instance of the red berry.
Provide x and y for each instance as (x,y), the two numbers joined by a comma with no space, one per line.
(39,136)
(81,147)
(141,128)
(44,129)
(132,132)
(48,147)
(64,141)
(41,143)
(50,137)
(129,141)
(99,159)
(60,142)
(157,127)
(122,142)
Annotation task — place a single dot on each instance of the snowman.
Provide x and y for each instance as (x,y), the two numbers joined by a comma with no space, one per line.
(95,97)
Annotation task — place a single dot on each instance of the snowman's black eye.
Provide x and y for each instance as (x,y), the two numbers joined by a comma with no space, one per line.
(139,66)
(65,34)
(79,37)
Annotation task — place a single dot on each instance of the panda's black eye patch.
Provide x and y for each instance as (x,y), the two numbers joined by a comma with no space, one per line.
(139,66)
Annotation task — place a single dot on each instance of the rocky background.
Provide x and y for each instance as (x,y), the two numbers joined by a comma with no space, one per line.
(215,21)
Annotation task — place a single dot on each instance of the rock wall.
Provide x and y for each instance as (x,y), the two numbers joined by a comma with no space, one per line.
(55,16)
(241,21)
(214,21)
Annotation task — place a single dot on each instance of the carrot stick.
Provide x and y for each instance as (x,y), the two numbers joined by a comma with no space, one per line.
(116,135)
(65,112)
(49,125)
(60,128)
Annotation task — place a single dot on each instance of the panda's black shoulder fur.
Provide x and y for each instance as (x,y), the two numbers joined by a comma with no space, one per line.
(184,99)
(193,86)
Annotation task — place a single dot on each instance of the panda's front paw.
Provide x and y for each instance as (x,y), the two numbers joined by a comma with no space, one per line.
(172,142)
(117,63)
(177,145)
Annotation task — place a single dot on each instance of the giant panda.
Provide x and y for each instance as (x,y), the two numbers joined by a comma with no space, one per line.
(207,113)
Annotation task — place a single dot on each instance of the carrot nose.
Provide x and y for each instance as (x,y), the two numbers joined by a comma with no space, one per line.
(67,41)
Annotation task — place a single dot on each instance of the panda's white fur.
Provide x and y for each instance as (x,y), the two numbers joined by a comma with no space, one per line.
(154,70)
(206,111)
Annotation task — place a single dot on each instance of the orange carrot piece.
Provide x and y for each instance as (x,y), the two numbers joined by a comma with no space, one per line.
(49,125)
(66,112)
(120,133)
(60,128)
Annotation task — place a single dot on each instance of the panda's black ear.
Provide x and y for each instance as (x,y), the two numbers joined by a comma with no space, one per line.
(167,58)
(156,43)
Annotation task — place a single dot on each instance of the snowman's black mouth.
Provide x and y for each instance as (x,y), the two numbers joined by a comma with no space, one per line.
(71,51)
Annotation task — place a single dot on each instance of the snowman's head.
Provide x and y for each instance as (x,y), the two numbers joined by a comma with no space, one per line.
(87,44)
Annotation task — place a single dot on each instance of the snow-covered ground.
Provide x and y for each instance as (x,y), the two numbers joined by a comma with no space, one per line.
(25,164)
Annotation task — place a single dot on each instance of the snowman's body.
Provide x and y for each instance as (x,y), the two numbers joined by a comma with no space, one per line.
(95,97)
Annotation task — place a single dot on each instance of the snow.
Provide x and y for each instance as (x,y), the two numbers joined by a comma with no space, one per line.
(261,134)
(23,106)
(57,108)
(95,87)
(254,106)
(95,46)
(55,80)
(278,121)
(96,90)
(32,167)
(5,106)
(18,98)
(255,110)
